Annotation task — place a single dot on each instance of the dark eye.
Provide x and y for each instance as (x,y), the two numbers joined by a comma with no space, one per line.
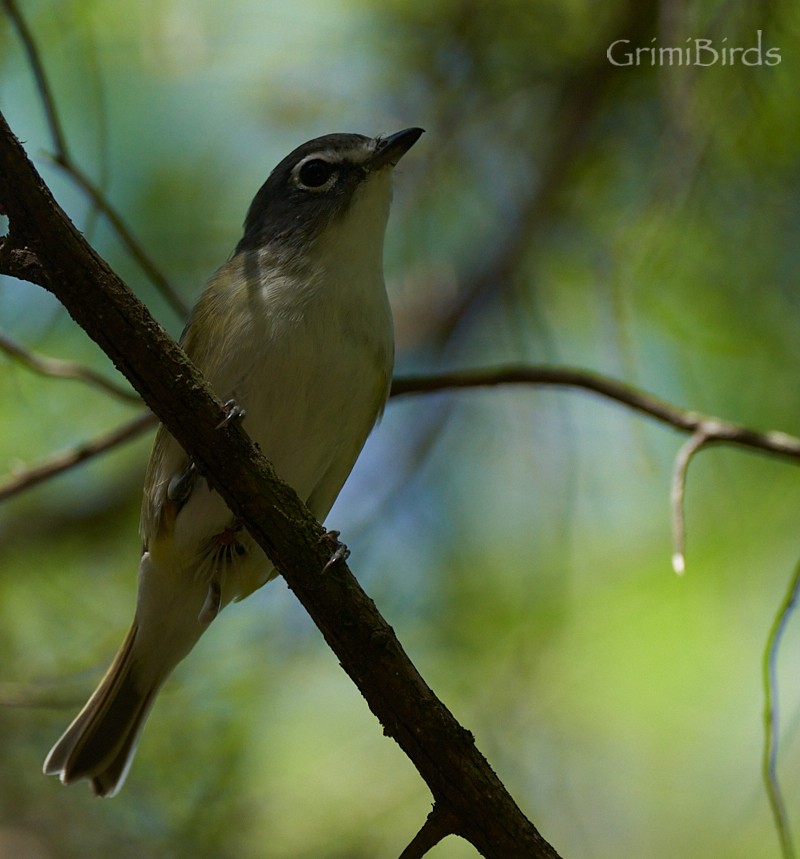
(315,173)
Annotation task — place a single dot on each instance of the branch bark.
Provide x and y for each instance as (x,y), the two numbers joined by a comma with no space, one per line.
(44,246)
(713,430)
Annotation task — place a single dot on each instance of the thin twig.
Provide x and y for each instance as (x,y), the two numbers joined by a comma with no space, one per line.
(63,158)
(61,462)
(704,429)
(717,430)
(714,430)
(438,825)
(772,717)
(60,369)
(42,84)
(680,469)
(133,247)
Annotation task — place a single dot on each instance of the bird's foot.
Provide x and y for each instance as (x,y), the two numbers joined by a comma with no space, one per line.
(339,554)
(231,411)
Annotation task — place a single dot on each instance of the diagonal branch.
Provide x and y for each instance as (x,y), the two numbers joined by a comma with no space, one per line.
(443,752)
(37,67)
(63,158)
(61,369)
(60,462)
(438,825)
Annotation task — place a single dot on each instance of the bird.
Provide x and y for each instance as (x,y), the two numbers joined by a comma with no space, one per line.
(294,334)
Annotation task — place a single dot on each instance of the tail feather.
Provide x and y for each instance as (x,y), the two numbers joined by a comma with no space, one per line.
(100,743)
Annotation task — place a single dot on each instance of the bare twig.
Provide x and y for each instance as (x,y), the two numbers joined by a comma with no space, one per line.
(63,158)
(771,717)
(133,247)
(715,429)
(680,469)
(60,369)
(42,84)
(704,429)
(61,462)
(710,429)
(438,825)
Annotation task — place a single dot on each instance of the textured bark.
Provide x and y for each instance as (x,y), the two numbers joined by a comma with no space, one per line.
(44,247)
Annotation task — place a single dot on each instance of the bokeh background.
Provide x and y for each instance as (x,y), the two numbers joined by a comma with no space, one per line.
(640,221)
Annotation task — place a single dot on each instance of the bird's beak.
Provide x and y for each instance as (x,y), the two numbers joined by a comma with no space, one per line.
(392,148)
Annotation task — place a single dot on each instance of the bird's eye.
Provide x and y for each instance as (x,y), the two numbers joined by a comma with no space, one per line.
(316,173)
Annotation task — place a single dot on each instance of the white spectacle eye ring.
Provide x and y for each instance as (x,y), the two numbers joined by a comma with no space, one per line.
(315,174)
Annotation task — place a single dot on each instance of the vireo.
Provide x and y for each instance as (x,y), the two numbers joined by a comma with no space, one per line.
(295,332)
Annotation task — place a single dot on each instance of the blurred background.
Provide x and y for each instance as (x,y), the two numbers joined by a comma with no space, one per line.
(637,220)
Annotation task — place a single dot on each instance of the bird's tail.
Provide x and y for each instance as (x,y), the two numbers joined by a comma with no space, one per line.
(100,743)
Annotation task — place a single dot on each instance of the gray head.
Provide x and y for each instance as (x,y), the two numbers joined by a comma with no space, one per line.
(317,183)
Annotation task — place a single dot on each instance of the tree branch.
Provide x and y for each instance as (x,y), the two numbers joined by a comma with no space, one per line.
(704,429)
(443,752)
(438,825)
(714,430)
(58,463)
(60,369)
(63,158)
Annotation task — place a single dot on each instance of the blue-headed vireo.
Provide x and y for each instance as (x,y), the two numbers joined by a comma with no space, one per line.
(296,330)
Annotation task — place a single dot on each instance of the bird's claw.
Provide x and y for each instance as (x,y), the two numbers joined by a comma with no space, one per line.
(231,411)
(340,551)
